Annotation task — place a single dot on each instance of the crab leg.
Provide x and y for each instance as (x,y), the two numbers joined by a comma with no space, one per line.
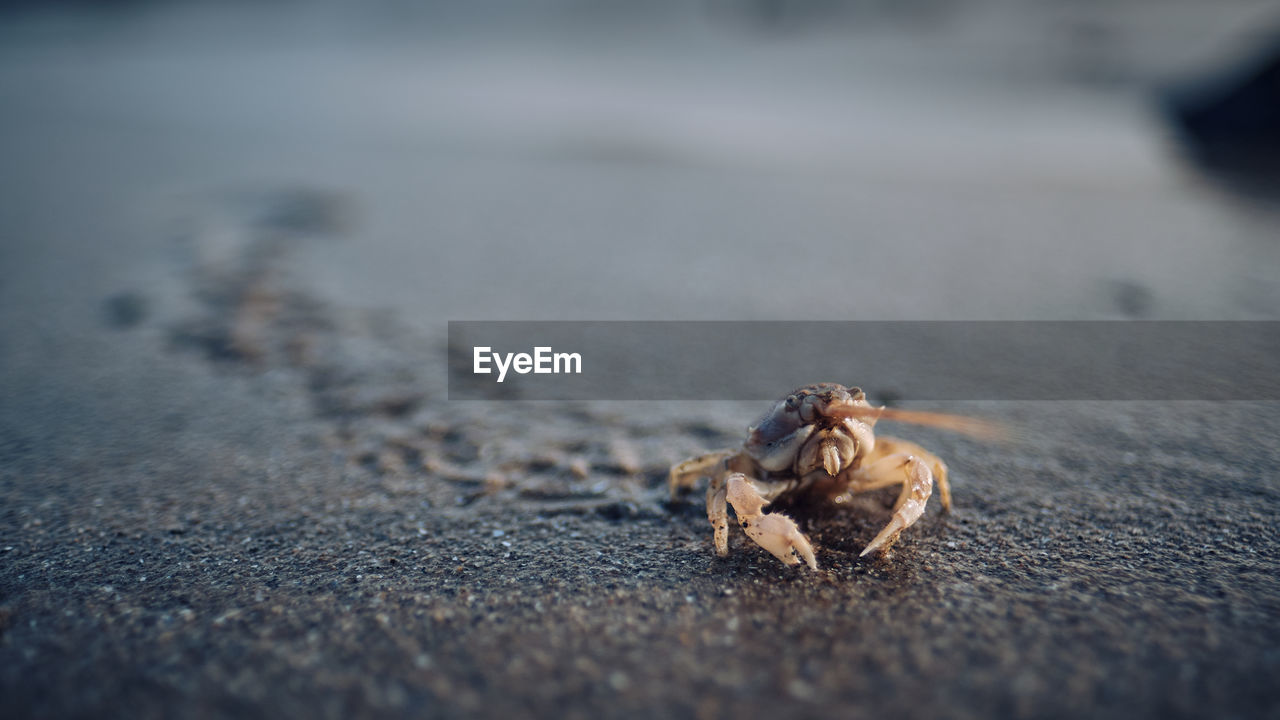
(897,461)
(684,475)
(774,532)
(887,446)
(718,513)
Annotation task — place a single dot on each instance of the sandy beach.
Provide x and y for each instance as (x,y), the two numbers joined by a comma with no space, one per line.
(232,484)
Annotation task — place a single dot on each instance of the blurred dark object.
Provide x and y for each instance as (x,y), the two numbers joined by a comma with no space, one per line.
(125,310)
(1229,123)
(1132,298)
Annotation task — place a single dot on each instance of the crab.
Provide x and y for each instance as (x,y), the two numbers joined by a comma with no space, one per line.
(817,442)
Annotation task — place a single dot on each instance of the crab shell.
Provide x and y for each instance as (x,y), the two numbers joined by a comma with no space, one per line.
(805,432)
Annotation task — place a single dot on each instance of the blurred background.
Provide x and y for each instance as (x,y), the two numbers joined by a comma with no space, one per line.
(564,159)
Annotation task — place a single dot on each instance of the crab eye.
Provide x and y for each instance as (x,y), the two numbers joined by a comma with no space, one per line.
(809,413)
(793,402)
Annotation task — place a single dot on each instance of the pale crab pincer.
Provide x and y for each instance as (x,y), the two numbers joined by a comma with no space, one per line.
(817,442)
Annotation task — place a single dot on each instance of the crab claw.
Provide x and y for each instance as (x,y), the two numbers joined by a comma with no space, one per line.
(778,534)
(774,532)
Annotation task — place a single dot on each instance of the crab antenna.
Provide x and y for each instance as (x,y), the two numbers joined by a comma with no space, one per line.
(973,427)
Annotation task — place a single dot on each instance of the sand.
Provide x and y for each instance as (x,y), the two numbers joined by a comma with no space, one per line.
(231,484)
